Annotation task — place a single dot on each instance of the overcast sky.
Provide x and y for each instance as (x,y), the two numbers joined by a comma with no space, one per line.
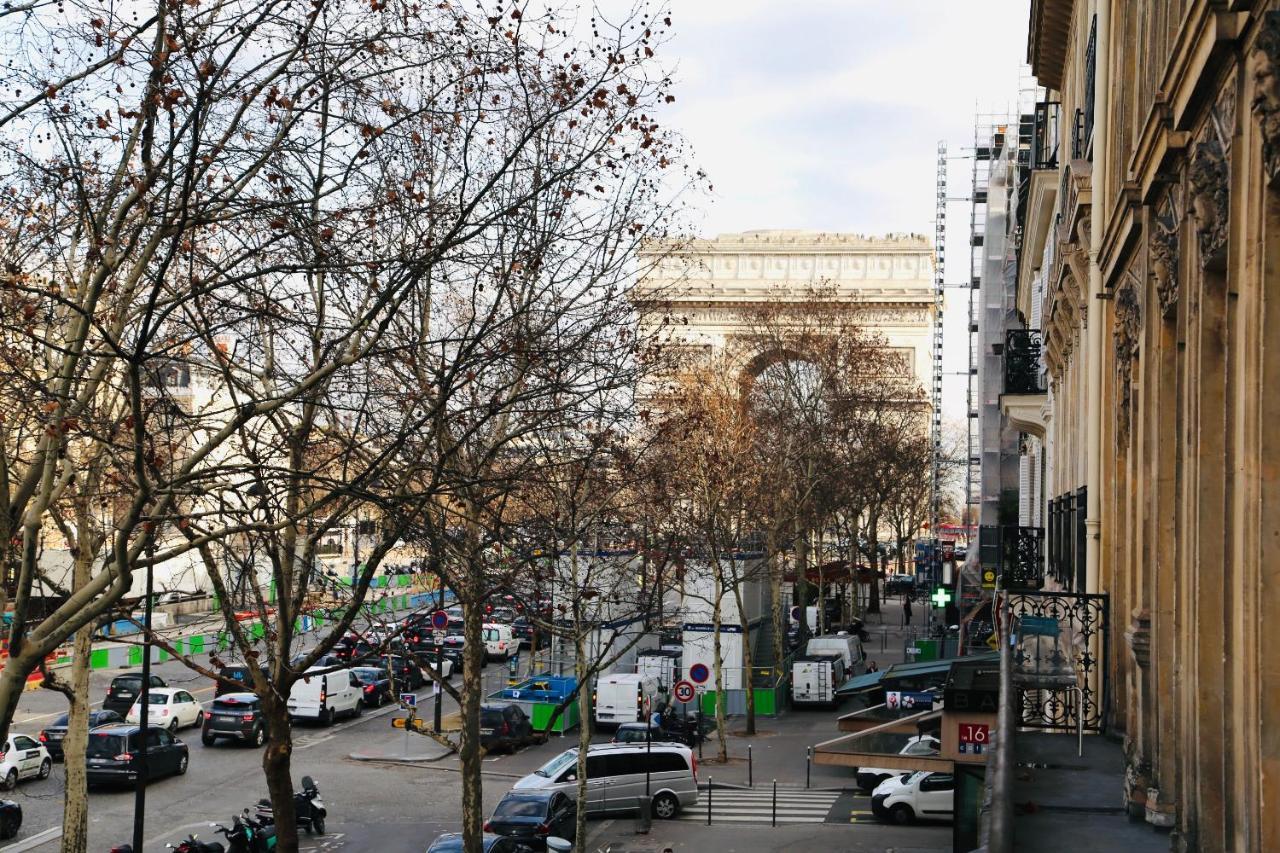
(826,115)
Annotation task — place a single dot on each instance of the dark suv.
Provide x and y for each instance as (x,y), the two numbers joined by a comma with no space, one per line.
(113,755)
(406,672)
(240,672)
(235,715)
(124,690)
(504,727)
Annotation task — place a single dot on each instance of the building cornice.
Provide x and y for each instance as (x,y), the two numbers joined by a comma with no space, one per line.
(1048,36)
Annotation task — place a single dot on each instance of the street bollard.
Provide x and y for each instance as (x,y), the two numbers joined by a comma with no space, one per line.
(750,783)
(709,789)
(808,760)
(775,802)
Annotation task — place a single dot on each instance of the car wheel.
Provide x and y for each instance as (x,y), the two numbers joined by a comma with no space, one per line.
(902,814)
(665,806)
(359,708)
(199,719)
(45,767)
(258,736)
(173,726)
(11,779)
(207,739)
(182,765)
(326,717)
(317,824)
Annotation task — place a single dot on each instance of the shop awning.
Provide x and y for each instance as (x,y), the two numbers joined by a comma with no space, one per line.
(909,672)
(866,681)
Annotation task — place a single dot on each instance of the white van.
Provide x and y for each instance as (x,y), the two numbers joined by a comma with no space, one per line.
(322,696)
(616,777)
(910,797)
(626,698)
(849,647)
(499,642)
(815,678)
(662,664)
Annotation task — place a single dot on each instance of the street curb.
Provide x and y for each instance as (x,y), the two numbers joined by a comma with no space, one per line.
(398,759)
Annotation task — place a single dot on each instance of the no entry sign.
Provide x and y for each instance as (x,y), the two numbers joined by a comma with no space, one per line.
(684,691)
(699,673)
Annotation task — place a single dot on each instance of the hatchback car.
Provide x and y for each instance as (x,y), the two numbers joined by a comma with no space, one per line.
(914,796)
(504,727)
(124,690)
(376,684)
(52,736)
(169,708)
(531,817)
(113,755)
(451,842)
(235,715)
(636,733)
(23,758)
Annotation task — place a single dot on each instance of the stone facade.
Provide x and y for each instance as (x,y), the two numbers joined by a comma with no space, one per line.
(1179,172)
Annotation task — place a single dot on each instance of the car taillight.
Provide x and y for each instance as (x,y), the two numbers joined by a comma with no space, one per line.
(44,738)
(322,697)
(694,759)
(164,712)
(488,827)
(248,718)
(544,828)
(124,756)
(506,728)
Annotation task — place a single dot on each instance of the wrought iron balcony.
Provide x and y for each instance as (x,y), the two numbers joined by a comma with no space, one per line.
(1022,557)
(1022,362)
(1045,135)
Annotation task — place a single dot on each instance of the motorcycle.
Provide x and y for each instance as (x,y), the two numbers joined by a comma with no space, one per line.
(193,844)
(246,835)
(309,812)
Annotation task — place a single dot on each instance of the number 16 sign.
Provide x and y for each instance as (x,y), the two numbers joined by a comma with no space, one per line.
(976,734)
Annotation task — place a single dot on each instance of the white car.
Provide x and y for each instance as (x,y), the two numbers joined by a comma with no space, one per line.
(869,778)
(169,708)
(24,757)
(915,796)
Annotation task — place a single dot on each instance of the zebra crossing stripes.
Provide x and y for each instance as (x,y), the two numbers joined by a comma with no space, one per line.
(731,805)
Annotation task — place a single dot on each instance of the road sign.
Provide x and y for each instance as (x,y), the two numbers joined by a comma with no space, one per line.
(437,637)
(439,620)
(409,700)
(699,673)
(988,578)
(684,691)
(993,641)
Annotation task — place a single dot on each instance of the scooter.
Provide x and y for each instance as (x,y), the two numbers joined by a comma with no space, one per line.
(193,844)
(308,810)
(247,835)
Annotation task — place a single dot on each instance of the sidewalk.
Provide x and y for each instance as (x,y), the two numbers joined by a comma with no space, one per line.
(1067,802)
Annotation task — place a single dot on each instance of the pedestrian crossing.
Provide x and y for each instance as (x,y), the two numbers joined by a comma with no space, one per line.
(756,806)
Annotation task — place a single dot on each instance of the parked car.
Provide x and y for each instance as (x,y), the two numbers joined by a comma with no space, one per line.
(504,727)
(376,684)
(322,695)
(499,642)
(626,697)
(641,733)
(869,778)
(454,648)
(672,773)
(406,672)
(328,661)
(531,817)
(353,652)
(907,798)
(240,672)
(522,628)
(451,842)
(52,736)
(501,615)
(113,755)
(235,715)
(24,757)
(171,708)
(124,691)
(10,818)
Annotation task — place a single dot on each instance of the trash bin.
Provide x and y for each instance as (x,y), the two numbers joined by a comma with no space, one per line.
(644,816)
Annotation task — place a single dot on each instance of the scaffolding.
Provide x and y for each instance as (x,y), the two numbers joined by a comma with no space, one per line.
(939,279)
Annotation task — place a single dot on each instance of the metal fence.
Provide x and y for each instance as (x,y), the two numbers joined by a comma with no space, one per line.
(1082,622)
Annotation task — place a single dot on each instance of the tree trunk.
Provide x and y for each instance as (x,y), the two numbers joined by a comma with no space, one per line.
(747,672)
(777,614)
(472,690)
(584,727)
(75,801)
(276,762)
(718,665)
(873,523)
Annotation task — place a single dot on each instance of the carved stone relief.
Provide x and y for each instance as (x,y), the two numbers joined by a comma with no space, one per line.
(1165,250)
(1209,176)
(1128,335)
(1264,70)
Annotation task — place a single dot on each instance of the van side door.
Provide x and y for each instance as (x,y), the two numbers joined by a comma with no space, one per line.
(937,795)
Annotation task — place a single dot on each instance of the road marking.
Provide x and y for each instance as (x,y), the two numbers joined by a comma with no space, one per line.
(34,841)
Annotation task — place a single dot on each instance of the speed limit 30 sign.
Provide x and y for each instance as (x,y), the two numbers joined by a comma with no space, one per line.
(684,691)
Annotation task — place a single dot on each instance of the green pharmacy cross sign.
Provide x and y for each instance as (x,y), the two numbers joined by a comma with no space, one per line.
(941,597)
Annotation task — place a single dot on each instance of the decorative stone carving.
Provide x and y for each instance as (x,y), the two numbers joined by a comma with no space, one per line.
(1165,251)
(1139,637)
(1264,69)
(1128,334)
(1209,176)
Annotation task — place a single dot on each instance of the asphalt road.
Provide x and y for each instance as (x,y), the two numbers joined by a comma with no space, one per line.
(373,805)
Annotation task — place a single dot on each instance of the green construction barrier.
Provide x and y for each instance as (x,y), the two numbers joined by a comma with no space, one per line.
(766,701)
(195,645)
(928,650)
(542,712)
(100,659)
(179,648)
(163,656)
(135,656)
(258,631)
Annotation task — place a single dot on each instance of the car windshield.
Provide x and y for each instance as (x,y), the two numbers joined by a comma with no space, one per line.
(367,676)
(157,698)
(104,746)
(521,807)
(556,765)
(490,718)
(233,705)
(127,682)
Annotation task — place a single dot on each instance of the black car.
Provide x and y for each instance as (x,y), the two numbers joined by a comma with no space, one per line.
(377,685)
(235,715)
(53,735)
(113,755)
(504,727)
(522,628)
(10,818)
(124,691)
(407,674)
(451,842)
(356,652)
(531,817)
(454,647)
(240,672)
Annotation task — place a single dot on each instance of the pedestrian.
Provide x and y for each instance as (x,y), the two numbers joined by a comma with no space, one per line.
(906,609)
(872,667)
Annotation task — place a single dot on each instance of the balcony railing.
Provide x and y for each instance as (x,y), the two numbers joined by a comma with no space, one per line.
(1022,557)
(1022,362)
(1045,135)
(1084,128)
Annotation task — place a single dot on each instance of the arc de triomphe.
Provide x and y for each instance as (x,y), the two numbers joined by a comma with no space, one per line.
(710,285)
